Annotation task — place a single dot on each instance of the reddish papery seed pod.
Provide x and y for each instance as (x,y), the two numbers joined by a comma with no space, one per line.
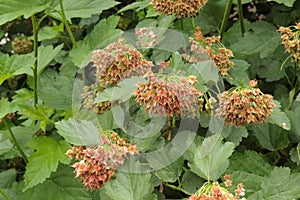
(245,106)
(172,97)
(97,164)
(180,8)
(118,61)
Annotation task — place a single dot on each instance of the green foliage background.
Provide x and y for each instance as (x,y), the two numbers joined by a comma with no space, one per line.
(38,88)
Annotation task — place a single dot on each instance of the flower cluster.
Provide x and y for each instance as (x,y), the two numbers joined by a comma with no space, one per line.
(243,105)
(146,38)
(22,45)
(169,94)
(291,39)
(118,61)
(181,8)
(97,164)
(213,191)
(209,48)
(88,96)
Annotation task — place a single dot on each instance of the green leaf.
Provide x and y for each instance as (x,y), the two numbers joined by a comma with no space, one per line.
(139,5)
(254,41)
(211,158)
(249,168)
(236,134)
(44,160)
(281,185)
(133,186)
(14,65)
(7,178)
(12,9)
(50,32)
(288,3)
(5,144)
(295,154)
(45,55)
(172,172)
(123,91)
(103,33)
(84,9)
(60,185)
(55,89)
(78,132)
(238,74)
(7,107)
(294,117)
(279,118)
(191,182)
(271,136)
(22,135)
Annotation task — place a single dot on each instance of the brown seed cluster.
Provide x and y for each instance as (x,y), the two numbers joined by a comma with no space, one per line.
(209,48)
(180,8)
(245,106)
(169,95)
(213,191)
(22,45)
(118,61)
(291,39)
(97,164)
(88,96)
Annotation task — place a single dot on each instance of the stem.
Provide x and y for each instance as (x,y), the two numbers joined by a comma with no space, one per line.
(4,195)
(225,17)
(192,20)
(35,53)
(240,10)
(62,13)
(177,188)
(14,140)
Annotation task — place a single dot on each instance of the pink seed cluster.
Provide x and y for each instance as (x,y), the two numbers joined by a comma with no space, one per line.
(118,61)
(291,39)
(169,95)
(247,105)
(97,164)
(210,48)
(146,38)
(215,192)
(180,8)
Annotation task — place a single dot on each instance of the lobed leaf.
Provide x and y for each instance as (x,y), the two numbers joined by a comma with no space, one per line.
(78,132)
(44,160)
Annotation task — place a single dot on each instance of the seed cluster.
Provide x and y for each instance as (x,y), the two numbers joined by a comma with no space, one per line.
(88,96)
(118,61)
(246,105)
(146,38)
(22,45)
(291,39)
(209,48)
(169,95)
(180,8)
(97,164)
(213,191)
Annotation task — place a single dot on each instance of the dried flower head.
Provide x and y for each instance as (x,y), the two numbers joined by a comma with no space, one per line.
(291,39)
(97,164)
(209,48)
(168,94)
(180,8)
(146,38)
(22,45)
(245,105)
(213,191)
(89,95)
(118,61)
